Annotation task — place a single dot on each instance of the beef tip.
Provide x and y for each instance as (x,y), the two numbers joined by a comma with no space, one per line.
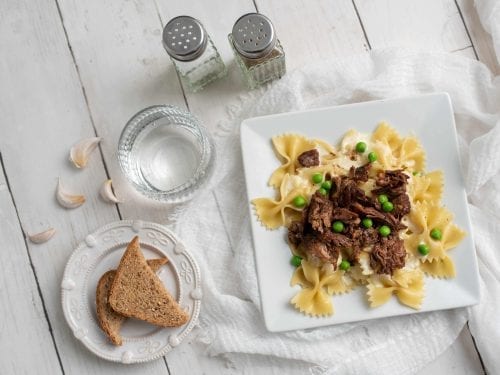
(335,190)
(392,221)
(349,192)
(315,248)
(369,236)
(388,255)
(354,254)
(402,205)
(382,217)
(360,238)
(391,178)
(335,239)
(345,215)
(296,233)
(369,212)
(392,183)
(309,158)
(360,174)
(365,200)
(320,212)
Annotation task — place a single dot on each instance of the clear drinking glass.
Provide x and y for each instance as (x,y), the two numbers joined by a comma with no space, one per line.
(166,153)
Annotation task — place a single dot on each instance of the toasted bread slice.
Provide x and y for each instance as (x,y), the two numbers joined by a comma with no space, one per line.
(136,292)
(110,321)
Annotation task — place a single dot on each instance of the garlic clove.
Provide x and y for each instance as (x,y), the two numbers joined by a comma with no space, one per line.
(42,236)
(80,152)
(107,192)
(67,199)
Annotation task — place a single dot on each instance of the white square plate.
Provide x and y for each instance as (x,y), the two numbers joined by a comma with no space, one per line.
(430,118)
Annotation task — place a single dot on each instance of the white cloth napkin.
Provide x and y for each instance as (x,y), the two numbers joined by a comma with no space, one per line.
(216,226)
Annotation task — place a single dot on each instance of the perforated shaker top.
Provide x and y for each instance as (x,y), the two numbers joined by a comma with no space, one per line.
(253,35)
(184,38)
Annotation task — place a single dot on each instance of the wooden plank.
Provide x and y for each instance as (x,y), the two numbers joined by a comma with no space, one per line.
(312,31)
(459,359)
(44,112)
(481,40)
(26,343)
(425,24)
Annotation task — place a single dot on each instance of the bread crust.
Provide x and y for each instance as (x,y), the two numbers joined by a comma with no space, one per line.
(109,320)
(137,292)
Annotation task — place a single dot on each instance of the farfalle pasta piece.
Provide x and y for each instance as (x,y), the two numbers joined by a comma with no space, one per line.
(336,281)
(272,212)
(441,268)
(317,284)
(386,159)
(307,172)
(350,139)
(387,135)
(411,155)
(288,147)
(324,146)
(364,264)
(409,289)
(312,299)
(423,218)
(427,187)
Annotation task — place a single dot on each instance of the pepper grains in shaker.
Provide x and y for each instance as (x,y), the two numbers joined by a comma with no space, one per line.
(192,52)
(257,50)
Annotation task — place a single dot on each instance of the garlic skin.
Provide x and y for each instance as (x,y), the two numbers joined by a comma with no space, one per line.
(107,192)
(80,152)
(67,199)
(42,236)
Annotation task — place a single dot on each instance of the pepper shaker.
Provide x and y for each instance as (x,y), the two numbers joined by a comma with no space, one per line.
(192,52)
(257,50)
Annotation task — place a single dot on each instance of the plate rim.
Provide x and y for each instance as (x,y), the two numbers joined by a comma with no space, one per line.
(246,125)
(135,226)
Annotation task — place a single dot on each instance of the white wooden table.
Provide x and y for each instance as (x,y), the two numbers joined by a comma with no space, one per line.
(71,69)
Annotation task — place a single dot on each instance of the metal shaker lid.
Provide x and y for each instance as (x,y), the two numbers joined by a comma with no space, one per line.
(253,35)
(184,38)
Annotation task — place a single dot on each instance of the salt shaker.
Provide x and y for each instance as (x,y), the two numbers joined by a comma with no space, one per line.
(257,50)
(192,51)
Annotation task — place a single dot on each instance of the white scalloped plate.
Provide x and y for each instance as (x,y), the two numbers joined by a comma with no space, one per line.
(101,251)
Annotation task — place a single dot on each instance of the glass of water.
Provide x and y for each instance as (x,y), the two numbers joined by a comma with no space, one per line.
(166,153)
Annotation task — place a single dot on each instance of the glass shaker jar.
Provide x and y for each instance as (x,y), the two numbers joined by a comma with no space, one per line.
(192,51)
(257,50)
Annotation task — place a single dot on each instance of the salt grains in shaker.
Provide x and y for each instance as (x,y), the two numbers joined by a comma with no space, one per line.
(257,50)
(192,51)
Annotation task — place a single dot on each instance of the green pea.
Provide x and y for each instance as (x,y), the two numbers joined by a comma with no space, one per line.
(345,265)
(296,260)
(384,230)
(382,198)
(436,234)
(372,157)
(299,201)
(367,222)
(387,206)
(338,226)
(423,249)
(322,191)
(360,147)
(317,178)
(327,185)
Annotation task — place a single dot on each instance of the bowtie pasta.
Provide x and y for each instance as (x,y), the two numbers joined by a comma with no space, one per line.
(365,213)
